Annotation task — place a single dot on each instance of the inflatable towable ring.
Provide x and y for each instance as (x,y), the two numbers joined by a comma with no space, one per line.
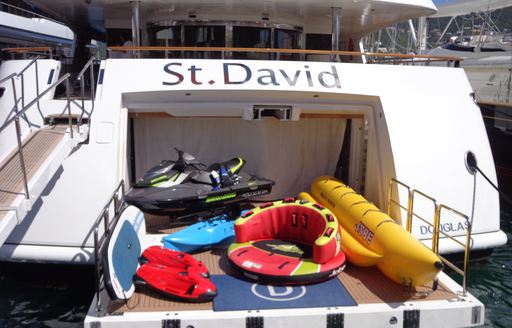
(288,242)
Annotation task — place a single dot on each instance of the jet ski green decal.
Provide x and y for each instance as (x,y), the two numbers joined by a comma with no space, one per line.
(163,179)
(160,178)
(220,197)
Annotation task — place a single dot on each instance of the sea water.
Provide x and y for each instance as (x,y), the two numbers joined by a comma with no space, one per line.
(57,296)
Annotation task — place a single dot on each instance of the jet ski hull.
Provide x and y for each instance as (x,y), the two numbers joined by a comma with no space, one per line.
(192,197)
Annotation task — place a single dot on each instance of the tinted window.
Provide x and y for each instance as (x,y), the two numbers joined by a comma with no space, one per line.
(318,41)
(287,39)
(205,36)
(251,37)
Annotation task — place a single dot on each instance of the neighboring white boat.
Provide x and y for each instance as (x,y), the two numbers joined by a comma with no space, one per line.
(20,27)
(292,116)
(486,50)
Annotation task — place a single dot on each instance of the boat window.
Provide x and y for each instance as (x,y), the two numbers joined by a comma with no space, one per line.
(119,37)
(169,36)
(287,39)
(205,36)
(251,37)
(318,42)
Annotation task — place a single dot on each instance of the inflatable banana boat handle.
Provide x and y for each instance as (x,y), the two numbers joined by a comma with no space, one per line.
(371,237)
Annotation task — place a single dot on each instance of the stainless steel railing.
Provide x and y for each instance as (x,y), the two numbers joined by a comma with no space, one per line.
(116,204)
(36,101)
(16,118)
(21,74)
(435,224)
(80,77)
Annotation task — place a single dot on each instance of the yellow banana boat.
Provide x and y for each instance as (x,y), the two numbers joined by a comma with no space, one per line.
(371,237)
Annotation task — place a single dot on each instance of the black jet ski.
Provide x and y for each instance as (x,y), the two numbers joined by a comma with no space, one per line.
(186,186)
(170,173)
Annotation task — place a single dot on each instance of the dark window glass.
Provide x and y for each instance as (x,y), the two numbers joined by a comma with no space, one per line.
(205,36)
(287,39)
(251,37)
(318,41)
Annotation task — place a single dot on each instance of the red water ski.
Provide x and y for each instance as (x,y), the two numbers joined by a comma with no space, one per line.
(174,259)
(180,284)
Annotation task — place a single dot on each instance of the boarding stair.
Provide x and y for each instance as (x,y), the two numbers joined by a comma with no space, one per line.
(36,136)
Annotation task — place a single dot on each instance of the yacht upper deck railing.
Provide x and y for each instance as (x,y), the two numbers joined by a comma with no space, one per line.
(369,57)
(26,51)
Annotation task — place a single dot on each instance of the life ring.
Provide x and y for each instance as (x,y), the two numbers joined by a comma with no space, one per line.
(288,242)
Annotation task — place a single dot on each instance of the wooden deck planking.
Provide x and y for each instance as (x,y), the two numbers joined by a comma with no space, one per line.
(365,285)
(36,149)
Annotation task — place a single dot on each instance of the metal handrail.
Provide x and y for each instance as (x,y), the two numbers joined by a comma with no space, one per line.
(412,214)
(21,74)
(117,198)
(16,120)
(436,228)
(80,76)
(466,246)
(26,107)
(390,196)
(7,78)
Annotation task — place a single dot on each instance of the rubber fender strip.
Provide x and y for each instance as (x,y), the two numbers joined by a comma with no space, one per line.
(335,320)
(411,319)
(254,322)
(174,323)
